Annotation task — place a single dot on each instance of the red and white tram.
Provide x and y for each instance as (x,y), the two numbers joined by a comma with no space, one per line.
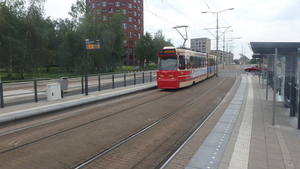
(179,68)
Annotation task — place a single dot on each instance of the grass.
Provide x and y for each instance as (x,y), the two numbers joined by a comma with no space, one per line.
(57,73)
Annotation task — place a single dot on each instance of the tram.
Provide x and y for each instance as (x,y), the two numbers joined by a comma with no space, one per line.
(178,68)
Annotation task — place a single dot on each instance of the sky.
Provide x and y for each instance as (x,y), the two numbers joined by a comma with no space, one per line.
(250,21)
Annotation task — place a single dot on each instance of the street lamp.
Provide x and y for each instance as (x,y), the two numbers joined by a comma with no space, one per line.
(217,70)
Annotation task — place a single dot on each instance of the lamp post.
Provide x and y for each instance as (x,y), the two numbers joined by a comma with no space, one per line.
(217,41)
(224,56)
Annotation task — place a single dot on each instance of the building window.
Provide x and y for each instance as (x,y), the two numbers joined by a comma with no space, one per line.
(104,4)
(110,3)
(93,5)
(124,3)
(103,10)
(130,34)
(98,11)
(110,10)
(129,19)
(124,11)
(129,5)
(134,13)
(124,25)
(104,18)
(98,4)
(117,4)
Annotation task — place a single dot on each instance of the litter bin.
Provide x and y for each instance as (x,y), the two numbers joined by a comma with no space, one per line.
(63,83)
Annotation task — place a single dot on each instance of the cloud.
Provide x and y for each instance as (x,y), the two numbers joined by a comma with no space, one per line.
(252,20)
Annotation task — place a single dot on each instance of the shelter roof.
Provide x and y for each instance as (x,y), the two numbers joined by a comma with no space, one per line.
(269,47)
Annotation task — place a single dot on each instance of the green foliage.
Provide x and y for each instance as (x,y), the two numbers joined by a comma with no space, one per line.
(147,46)
(31,45)
(253,61)
(236,61)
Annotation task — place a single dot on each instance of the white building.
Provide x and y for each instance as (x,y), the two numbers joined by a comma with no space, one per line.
(201,45)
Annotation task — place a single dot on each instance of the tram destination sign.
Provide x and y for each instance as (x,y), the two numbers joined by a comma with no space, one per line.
(93,44)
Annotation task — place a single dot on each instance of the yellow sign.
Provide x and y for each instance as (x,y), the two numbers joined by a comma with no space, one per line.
(93,44)
(169,51)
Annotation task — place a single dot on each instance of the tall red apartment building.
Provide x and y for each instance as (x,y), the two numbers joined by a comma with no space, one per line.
(133,24)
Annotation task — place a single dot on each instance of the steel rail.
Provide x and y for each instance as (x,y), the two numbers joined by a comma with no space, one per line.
(148,127)
(166,161)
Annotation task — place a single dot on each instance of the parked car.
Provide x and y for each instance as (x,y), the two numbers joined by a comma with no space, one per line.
(255,68)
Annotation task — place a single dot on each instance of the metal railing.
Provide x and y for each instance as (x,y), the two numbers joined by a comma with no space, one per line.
(22,92)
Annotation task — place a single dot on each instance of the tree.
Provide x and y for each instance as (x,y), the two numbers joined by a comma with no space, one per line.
(10,33)
(30,44)
(253,61)
(114,37)
(147,46)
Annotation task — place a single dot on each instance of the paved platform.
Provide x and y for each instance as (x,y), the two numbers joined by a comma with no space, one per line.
(30,109)
(244,136)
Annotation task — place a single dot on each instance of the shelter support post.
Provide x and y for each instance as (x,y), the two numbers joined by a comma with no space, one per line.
(275,86)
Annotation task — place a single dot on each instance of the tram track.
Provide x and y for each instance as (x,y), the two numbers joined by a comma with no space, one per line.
(170,155)
(191,133)
(112,114)
(69,129)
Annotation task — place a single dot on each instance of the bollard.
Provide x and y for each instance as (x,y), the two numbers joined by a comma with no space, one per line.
(113,81)
(143,77)
(124,80)
(82,88)
(35,92)
(99,84)
(1,94)
(134,79)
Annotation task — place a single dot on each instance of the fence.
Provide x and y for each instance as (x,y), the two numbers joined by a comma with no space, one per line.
(24,92)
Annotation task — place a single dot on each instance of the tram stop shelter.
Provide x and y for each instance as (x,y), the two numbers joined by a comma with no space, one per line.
(282,74)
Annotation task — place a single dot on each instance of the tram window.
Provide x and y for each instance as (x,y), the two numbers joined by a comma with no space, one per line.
(167,63)
(191,64)
(181,62)
(198,62)
(203,61)
(194,62)
(211,62)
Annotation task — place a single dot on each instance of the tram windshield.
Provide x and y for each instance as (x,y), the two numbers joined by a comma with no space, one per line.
(167,63)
